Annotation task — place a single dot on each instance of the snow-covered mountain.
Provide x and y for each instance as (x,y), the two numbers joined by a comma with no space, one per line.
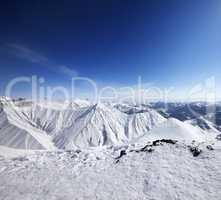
(204,124)
(176,130)
(95,125)
(50,125)
(17,131)
(105,151)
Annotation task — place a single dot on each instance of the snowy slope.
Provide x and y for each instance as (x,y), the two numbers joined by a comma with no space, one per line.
(9,152)
(177,130)
(203,124)
(18,132)
(168,172)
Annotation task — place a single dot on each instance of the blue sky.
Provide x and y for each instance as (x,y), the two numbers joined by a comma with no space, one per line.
(169,43)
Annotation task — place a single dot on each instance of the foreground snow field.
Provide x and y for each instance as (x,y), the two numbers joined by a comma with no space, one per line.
(163,171)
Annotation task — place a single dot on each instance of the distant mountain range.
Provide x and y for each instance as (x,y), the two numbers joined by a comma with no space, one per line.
(47,125)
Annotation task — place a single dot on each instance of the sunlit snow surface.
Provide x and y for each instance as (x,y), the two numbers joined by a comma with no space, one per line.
(168,172)
(96,151)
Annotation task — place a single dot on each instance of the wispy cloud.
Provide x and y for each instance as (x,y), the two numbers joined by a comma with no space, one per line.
(32,56)
(27,54)
(67,71)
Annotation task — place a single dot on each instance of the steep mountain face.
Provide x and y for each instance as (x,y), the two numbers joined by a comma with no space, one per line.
(17,131)
(142,122)
(52,117)
(96,125)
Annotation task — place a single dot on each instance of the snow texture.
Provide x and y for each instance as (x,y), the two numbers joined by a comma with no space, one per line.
(79,150)
(170,171)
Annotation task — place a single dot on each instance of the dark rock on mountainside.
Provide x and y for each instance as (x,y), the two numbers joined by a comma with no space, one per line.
(168,141)
(218,137)
(195,151)
(122,153)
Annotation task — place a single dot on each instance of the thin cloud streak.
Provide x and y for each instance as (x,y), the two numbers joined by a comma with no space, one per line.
(32,56)
(27,54)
